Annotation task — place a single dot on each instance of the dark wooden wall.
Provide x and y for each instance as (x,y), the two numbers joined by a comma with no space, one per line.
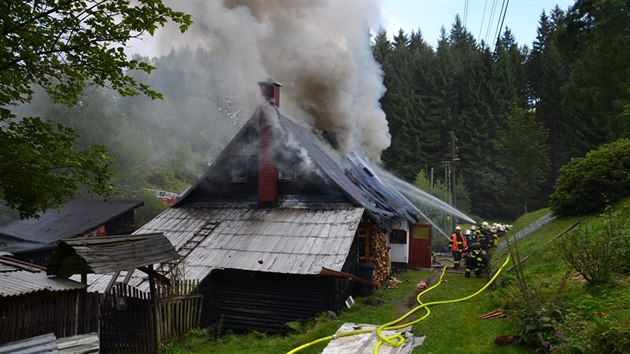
(241,300)
(64,313)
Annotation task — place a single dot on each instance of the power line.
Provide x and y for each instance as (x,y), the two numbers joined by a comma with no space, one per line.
(497,30)
(490,20)
(465,12)
(482,18)
(502,20)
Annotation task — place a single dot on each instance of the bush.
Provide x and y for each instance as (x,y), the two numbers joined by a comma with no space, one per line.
(588,184)
(596,254)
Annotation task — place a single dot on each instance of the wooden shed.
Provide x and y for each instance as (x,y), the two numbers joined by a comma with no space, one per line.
(131,320)
(32,303)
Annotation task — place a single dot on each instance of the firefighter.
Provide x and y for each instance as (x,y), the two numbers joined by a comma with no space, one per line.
(476,261)
(470,237)
(476,230)
(486,236)
(495,236)
(458,245)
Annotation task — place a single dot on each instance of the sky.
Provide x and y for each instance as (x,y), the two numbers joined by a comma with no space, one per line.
(430,15)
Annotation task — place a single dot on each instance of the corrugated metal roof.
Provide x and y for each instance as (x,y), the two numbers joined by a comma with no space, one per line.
(75,218)
(110,253)
(24,282)
(79,344)
(44,344)
(280,240)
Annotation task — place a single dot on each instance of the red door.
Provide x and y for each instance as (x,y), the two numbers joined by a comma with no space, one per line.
(420,246)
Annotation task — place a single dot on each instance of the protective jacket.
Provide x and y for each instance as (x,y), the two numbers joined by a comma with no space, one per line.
(458,242)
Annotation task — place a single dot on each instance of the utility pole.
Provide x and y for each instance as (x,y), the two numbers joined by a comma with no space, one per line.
(454,159)
(447,192)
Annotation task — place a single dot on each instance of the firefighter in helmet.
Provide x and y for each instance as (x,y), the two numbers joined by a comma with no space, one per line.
(458,245)
(476,261)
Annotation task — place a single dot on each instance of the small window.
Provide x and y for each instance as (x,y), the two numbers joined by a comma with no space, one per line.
(238,169)
(398,236)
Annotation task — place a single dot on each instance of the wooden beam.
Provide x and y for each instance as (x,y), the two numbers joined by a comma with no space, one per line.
(111,283)
(149,270)
(326,272)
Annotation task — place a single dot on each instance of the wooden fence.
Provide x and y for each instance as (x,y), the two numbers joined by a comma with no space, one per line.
(127,322)
(64,313)
(132,323)
(178,309)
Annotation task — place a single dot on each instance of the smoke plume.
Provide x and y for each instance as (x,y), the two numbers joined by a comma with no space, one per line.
(319,50)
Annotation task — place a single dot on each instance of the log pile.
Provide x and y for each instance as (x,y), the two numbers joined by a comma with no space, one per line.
(379,254)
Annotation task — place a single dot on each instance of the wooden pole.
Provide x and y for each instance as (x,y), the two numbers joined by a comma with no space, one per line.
(154,312)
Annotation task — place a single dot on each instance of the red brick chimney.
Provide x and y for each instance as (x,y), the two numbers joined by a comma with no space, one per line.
(267,172)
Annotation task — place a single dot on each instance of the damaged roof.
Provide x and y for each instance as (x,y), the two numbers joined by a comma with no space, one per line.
(110,253)
(352,175)
(299,239)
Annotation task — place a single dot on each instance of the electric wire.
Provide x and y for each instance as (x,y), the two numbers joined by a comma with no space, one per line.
(494,6)
(498,28)
(397,340)
(465,12)
(502,14)
(482,18)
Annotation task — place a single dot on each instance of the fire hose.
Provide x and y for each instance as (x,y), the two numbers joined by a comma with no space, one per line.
(398,340)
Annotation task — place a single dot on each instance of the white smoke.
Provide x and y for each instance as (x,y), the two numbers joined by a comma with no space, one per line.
(319,50)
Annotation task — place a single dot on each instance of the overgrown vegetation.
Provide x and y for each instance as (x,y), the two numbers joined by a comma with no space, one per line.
(571,290)
(588,184)
(598,252)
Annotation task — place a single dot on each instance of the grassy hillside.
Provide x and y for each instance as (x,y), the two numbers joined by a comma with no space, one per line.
(554,302)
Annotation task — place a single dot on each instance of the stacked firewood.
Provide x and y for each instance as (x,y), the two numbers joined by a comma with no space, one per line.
(379,254)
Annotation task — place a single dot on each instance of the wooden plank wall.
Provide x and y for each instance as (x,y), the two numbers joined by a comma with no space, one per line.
(264,301)
(64,313)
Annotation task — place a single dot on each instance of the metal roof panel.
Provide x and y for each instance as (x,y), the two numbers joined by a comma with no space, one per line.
(26,282)
(75,218)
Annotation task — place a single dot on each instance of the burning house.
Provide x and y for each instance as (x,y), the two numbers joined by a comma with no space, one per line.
(282,226)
